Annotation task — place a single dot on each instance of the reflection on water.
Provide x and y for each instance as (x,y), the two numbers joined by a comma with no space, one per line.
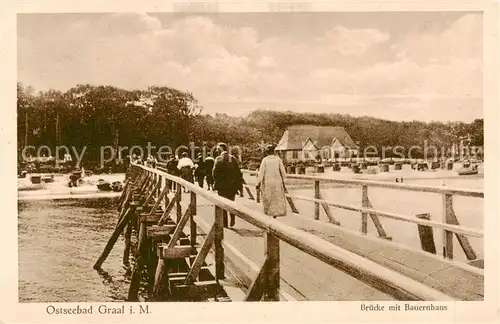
(59,241)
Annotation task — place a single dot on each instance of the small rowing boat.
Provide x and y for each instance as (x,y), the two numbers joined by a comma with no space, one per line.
(103,185)
(468,169)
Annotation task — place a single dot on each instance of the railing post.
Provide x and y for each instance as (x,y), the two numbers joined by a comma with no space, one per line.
(178,208)
(154,183)
(272,267)
(317,196)
(160,187)
(365,203)
(219,249)
(192,228)
(447,219)
(167,184)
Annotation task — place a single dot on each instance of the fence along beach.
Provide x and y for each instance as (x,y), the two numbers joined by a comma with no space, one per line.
(394,199)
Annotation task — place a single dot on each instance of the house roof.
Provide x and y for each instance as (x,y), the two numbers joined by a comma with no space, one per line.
(296,136)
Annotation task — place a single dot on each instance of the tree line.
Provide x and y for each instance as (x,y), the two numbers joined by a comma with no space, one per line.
(96,116)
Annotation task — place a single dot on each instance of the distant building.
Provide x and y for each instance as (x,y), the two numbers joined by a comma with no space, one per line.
(307,142)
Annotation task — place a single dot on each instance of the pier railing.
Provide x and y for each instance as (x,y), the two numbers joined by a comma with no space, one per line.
(449,223)
(155,184)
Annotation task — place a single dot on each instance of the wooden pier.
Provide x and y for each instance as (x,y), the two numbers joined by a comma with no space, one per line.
(178,249)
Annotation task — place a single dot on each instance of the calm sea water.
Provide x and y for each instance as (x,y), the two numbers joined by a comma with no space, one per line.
(59,241)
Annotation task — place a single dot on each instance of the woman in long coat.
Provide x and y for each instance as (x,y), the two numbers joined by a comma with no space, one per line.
(271,183)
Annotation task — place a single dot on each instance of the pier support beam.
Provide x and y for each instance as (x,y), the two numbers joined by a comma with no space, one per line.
(135,281)
(112,239)
(128,235)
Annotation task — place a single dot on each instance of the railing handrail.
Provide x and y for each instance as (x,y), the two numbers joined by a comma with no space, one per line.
(459,229)
(389,185)
(344,260)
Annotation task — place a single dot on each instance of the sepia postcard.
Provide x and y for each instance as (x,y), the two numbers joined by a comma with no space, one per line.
(177,161)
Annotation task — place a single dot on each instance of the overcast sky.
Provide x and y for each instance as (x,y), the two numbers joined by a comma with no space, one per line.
(399,66)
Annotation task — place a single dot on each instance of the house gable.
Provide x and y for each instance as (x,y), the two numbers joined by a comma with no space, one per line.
(337,145)
(309,146)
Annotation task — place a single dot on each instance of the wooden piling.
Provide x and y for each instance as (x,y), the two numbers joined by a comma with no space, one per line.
(126,252)
(426,235)
(135,281)
(159,275)
(112,240)
(152,260)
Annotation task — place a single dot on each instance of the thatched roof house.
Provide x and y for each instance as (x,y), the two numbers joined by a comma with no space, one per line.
(311,140)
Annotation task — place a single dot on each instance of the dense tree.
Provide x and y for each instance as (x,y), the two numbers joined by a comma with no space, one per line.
(96,116)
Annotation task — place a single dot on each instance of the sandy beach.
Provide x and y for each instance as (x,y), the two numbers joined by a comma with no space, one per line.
(60,188)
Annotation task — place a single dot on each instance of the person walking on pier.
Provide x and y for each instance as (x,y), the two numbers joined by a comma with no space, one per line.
(209,166)
(186,167)
(236,154)
(172,169)
(271,183)
(227,177)
(200,171)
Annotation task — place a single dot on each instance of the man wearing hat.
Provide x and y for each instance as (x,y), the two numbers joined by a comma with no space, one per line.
(227,177)
(199,171)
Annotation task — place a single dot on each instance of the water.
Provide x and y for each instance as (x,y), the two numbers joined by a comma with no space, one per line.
(59,241)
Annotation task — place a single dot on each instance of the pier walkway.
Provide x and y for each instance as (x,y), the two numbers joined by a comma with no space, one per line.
(179,248)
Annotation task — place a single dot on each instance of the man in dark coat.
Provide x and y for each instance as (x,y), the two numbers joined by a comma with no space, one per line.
(199,172)
(227,177)
(209,166)
(235,153)
(172,169)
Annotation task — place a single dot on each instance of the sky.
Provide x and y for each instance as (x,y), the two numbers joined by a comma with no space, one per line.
(393,65)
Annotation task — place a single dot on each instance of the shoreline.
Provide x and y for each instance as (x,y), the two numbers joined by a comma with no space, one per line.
(88,188)
(59,188)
